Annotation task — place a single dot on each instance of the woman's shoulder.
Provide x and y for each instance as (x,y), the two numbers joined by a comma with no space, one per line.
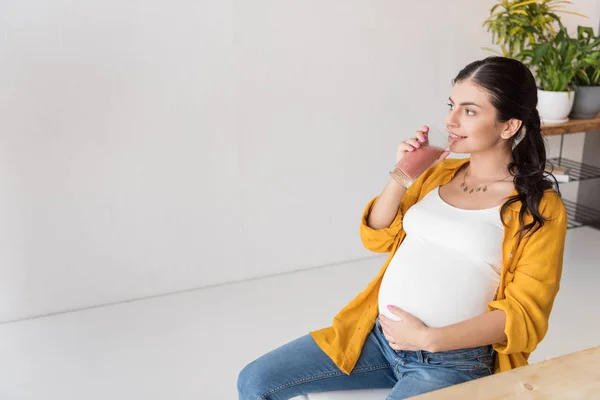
(551,204)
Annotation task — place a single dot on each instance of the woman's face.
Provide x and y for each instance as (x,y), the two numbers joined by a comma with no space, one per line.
(472,116)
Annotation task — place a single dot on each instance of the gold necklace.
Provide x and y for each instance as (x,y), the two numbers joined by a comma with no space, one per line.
(482,188)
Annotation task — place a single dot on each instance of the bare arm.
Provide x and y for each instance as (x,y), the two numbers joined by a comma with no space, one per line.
(386,206)
(410,333)
(487,328)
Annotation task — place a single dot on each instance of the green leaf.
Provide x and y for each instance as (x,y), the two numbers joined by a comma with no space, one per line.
(539,52)
(585,31)
(595,55)
(595,78)
(515,30)
(521,12)
(583,79)
(492,50)
(523,3)
(573,13)
(594,43)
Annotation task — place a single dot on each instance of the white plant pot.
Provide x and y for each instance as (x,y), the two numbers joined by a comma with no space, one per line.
(554,107)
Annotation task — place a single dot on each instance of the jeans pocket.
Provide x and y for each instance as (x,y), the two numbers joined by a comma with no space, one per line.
(487,361)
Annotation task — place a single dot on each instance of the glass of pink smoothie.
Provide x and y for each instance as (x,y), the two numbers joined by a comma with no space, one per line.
(414,163)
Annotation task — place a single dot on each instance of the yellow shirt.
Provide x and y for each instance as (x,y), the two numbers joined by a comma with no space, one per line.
(531,270)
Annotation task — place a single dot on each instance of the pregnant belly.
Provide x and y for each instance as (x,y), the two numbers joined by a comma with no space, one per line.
(438,294)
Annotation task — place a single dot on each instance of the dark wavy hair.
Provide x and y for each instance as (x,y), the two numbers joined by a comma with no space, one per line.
(514,95)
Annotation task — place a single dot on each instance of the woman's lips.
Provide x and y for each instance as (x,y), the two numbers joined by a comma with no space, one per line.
(456,137)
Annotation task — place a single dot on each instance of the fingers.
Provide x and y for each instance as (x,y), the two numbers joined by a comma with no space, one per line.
(414,143)
(419,139)
(421,134)
(386,336)
(396,346)
(404,147)
(409,145)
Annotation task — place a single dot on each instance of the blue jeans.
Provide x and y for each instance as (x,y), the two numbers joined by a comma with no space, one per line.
(301,367)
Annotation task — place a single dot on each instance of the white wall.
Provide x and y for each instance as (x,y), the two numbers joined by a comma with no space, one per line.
(150,147)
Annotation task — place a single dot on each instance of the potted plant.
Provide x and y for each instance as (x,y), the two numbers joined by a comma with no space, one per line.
(555,64)
(587,75)
(516,25)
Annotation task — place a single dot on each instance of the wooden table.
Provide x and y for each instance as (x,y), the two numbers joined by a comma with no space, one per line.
(572,126)
(574,376)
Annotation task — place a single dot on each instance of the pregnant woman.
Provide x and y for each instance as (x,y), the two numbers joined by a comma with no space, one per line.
(475,258)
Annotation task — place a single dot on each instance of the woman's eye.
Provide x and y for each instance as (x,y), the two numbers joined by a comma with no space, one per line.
(450,106)
(470,112)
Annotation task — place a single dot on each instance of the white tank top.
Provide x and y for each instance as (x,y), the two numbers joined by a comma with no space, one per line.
(448,267)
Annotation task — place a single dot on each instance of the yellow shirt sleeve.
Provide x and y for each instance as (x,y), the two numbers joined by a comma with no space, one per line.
(532,287)
(382,240)
(379,240)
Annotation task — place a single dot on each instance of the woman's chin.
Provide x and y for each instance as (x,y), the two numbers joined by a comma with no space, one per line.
(457,148)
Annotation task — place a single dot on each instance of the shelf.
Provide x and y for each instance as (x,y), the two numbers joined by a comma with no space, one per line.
(577,170)
(580,215)
(572,126)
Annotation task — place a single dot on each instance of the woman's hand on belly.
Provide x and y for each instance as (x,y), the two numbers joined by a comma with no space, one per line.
(410,333)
